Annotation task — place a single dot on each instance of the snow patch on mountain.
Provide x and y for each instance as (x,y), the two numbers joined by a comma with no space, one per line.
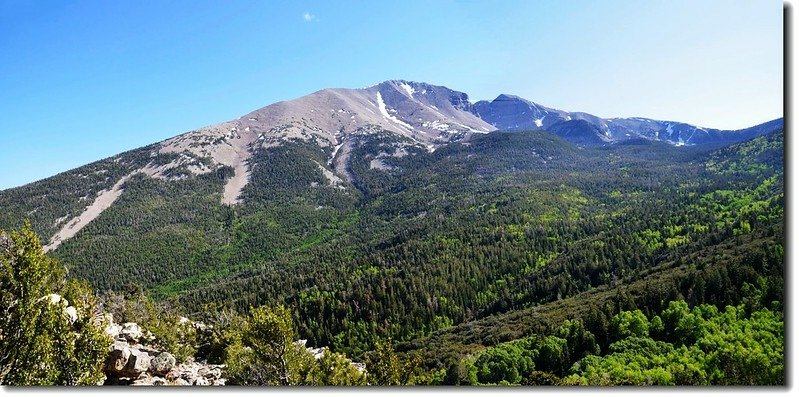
(438,125)
(335,151)
(382,107)
(407,87)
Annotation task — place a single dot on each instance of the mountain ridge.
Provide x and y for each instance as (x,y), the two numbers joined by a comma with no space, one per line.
(429,115)
(514,113)
(335,121)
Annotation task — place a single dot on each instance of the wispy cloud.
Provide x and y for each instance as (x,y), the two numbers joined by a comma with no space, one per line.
(308,17)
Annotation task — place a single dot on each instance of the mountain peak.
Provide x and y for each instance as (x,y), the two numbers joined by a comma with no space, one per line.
(508,97)
(425,114)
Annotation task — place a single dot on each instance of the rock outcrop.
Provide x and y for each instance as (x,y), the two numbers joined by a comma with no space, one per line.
(131,361)
(131,332)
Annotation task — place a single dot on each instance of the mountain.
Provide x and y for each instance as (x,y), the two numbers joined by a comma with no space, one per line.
(579,131)
(512,113)
(419,115)
(326,127)
(427,115)
(394,211)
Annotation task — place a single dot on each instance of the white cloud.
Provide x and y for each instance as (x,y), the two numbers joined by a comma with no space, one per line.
(308,17)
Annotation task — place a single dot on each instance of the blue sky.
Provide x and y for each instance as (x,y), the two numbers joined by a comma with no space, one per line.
(84,80)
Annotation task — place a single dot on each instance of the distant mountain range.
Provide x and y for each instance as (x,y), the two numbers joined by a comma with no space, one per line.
(512,113)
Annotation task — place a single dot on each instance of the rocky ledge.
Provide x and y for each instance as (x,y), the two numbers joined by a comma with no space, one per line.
(131,361)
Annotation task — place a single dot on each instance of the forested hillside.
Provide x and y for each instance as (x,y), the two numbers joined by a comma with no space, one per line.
(490,257)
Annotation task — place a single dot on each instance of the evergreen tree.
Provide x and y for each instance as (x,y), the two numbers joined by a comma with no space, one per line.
(49,331)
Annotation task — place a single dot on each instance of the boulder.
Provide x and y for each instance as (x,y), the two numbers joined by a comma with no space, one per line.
(113,330)
(117,357)
(162,364)
(71,313)
(138,363)
(53,299)
(317,353)
(131,332)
